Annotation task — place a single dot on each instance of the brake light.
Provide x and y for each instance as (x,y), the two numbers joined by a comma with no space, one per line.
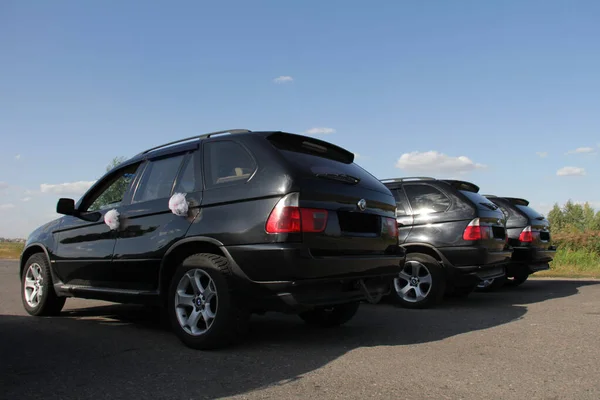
(526,235)
(389,226)
(288,217)
(476,231)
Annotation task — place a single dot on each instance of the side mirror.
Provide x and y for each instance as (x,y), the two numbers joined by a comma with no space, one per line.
(66,206)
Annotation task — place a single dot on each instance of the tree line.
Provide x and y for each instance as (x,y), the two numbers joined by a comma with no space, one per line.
(573,217)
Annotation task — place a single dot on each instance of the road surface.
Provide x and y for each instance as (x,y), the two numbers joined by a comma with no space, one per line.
(539,341)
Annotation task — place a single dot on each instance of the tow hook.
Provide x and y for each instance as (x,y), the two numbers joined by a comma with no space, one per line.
(370,298)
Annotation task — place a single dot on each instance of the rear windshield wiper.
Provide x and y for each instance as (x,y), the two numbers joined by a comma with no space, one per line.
(490,206)
(340,177)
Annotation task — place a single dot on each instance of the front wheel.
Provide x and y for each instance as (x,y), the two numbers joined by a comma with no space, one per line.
(37,290)
(327,317)
(489,285)
(203,310)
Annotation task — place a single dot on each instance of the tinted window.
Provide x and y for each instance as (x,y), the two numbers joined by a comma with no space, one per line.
(112,191)
(530,212)
(402,207)
(190,180)
(226,163)
(158,179)
(425,199)
(478,200)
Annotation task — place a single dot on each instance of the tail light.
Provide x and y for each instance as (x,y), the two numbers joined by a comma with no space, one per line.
(288,217)
(526,235)
(476,231)
(389,227)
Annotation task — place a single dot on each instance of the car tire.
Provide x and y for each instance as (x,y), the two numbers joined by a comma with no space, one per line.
(430,292)
(37,289)
(203,310)
(495,284)
(327,317)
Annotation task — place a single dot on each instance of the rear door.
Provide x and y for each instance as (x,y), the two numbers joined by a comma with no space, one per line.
(148,227)
(328,179)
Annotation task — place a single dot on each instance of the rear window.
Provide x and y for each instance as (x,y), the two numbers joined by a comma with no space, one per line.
(481,202)
(326,167)
(323,159)
(530,212)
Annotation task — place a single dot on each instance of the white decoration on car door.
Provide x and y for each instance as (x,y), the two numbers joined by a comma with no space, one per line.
(178,204)
(111,218)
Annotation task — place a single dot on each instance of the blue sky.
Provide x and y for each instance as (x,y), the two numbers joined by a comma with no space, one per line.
(504,94)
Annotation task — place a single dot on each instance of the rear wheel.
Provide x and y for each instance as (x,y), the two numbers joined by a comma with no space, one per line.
(327,317)
(518,279)
(37,290)
(420,284)
(203,310)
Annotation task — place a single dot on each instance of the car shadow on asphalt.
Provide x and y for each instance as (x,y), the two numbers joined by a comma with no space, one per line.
(122,351)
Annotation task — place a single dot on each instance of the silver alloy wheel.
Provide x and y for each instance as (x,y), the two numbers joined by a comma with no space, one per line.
(33,286)
(196,302)
(485,283)
(413,283)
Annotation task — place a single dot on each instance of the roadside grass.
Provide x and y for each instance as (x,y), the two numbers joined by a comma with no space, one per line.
(10,250)
(581,263)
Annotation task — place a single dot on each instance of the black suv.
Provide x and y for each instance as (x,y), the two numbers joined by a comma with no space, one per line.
(529,236)
(217,227)
(454,238)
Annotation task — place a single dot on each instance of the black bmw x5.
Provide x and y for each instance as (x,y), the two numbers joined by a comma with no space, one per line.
(216,227)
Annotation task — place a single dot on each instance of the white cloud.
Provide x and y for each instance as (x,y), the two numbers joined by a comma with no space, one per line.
(74,188)
(18,157)
(434,161)
(320,131)
(582,150)
(542,154)
(570,171)
(7,206)
(283,79)
(3,185)
(26,199)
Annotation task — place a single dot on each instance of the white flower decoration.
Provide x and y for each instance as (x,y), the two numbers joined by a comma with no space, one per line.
(111,218)
(178,204)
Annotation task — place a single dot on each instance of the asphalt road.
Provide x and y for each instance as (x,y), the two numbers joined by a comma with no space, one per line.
(539,341)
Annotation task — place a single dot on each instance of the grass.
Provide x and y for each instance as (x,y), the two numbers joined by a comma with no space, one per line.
(10,250)
(567,263)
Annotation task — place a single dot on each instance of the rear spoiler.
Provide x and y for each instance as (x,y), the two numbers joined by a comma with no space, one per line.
(517,201)
(310,145)
(462,185)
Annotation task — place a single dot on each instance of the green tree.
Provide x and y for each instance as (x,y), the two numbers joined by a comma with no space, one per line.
(589,216)
(573,214)
(556,218)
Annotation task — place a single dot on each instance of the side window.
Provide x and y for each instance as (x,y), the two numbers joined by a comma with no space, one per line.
(425,199)
(190,179)
(402,207)
(227,162)
(158,179)
(111,193)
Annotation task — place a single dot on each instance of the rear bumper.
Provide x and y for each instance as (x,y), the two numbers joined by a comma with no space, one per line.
(472,264)
(288,277)
(532,255)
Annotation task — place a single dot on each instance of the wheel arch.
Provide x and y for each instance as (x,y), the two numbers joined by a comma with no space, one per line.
(30,250)
(179,251)
(428,249)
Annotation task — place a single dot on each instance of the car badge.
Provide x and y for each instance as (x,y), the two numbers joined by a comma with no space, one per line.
(362,204)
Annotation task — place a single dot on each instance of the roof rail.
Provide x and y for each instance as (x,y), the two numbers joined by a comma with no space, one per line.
(409,178)
(203,136)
